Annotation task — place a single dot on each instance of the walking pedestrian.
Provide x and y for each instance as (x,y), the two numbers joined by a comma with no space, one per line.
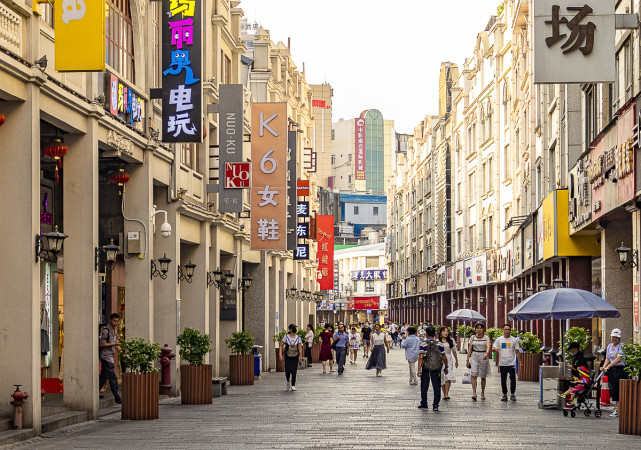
(452,361)
(393,330)
(478,355)
(377,359)
(366,336)
(109,344)
(291,349)
(421,332)
(507,346)
(354,344)
(309,342)
(430,361)
(613,368)
(342,342)
(411,344)
(326,349)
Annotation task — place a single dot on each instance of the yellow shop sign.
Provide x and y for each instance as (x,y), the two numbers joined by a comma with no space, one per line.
(556,230)
(80,35)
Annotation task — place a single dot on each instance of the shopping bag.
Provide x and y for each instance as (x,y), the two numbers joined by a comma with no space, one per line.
(467,378)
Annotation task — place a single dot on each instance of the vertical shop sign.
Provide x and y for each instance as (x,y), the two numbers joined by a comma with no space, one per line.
(181,76)
(325,274)
(635,307)
(233,177)
(359,140)
(292,220)
(80,35)
(269,177)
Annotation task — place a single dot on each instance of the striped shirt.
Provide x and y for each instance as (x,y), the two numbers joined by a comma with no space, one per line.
(423,348)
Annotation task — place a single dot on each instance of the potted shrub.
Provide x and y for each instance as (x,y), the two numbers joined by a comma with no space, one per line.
(577,334)
(140,384)
(494,334)
(316,346)
(277,338)
(241,365)
(463,333)
(530,358)
(629,405)
(195,377)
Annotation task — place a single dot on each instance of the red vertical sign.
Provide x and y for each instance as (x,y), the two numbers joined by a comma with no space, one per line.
(359,140)
(325,235)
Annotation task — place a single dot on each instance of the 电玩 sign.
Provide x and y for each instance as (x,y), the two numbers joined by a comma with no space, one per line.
(181,76)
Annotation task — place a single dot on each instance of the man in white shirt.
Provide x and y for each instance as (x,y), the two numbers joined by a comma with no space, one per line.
(507,346)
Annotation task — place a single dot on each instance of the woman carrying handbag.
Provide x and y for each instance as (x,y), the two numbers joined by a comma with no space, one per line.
(478,355)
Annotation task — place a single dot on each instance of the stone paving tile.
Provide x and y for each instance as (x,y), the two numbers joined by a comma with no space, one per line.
(353,411)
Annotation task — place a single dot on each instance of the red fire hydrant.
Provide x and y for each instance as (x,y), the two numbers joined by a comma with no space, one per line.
(19,398)
(166,355)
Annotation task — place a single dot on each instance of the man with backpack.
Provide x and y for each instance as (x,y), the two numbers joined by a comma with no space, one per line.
(431,359)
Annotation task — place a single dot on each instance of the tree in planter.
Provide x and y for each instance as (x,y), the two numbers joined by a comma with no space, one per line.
(530,343)
(278,337)
(632,354)
(140,381)
(629,404)
(241,365)
(137,355)
(194,345)
(494,333)
(579,335)
(464,331)
(530,359)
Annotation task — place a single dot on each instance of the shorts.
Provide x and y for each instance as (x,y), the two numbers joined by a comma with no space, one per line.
(367,342)
(576,389)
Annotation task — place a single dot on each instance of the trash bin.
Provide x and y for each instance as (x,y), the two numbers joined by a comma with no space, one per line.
(258,359)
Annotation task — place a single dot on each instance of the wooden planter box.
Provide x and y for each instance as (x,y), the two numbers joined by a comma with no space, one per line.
(241,370)
(316,347)
(629,407)
(280,363)
(195,384)
(529,364)
(139,396)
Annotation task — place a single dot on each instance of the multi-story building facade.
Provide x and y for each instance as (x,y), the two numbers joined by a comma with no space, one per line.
(515,158)
(67,298)
(320,156)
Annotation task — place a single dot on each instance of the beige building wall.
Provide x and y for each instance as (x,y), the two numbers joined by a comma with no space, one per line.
(322,116)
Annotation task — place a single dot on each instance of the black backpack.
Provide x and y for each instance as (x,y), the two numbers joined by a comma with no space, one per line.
(432,359)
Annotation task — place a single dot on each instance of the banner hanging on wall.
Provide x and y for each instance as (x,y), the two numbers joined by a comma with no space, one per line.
(181,77)
(359,142)
(325,234)
(80,35)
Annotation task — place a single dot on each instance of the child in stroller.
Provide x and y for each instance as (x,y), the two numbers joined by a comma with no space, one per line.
(576,397)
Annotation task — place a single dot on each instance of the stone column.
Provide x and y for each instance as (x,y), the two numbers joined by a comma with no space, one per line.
(163,305)
(81,279)
(257,306)
(617,284)
(21,275)
(194,296)
(273,319)
(214,302)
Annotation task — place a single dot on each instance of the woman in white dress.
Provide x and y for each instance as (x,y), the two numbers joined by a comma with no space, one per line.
(452,361)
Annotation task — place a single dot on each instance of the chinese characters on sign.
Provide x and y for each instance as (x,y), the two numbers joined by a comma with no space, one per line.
(269,177)
(361,303)
(181,63)
(80,35)
(359,142)
(237,175)
(369,274)
(325,234)
(124,103)
(574,41)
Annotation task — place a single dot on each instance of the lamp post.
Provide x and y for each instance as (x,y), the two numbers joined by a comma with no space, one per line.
(189,272)
(623,257)
(164,267)
(49,245)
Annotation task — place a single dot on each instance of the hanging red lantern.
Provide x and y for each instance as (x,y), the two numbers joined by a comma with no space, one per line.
(1,119)
(119,178)
(56,149)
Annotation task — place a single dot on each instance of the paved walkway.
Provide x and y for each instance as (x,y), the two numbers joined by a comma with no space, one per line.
(356,410)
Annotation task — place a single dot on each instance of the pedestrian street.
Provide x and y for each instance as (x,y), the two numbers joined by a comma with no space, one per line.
(355,410)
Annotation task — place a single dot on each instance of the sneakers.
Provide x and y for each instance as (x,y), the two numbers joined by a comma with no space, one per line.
(504,398)
(119,401)
(615,413)
(513,397)
(435,408)
(289,385)
(422,406)
(293,388)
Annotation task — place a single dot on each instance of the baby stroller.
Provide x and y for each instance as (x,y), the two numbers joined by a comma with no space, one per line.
(582,402)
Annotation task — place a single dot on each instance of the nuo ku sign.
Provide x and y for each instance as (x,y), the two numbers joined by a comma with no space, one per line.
(181,76)
(574,41)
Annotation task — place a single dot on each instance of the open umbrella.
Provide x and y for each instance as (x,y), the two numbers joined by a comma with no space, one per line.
(465,315)
(563,303)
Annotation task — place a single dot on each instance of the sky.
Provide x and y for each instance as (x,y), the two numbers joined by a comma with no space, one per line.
(376,53)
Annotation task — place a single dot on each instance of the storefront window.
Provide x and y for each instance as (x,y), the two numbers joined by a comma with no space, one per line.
(119,43)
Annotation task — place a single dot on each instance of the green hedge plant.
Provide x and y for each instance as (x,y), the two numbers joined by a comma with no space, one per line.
(194,345)
(240,342)
(577,334)
(278,337)
(494,333)
(530,343)
(464,331)
(632,354)
(138,355)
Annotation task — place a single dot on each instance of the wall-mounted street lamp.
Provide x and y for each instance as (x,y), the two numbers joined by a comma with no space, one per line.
(500,298)
(558,283)
(466,301)
(164,267)
(49,245)
(511,296)
(111,252)
(221,279)
(528,291)
(481,300)
(519,295)
(433,302)
(623,257)
(542,287)
(244,283)
(189,272)
(290,293)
